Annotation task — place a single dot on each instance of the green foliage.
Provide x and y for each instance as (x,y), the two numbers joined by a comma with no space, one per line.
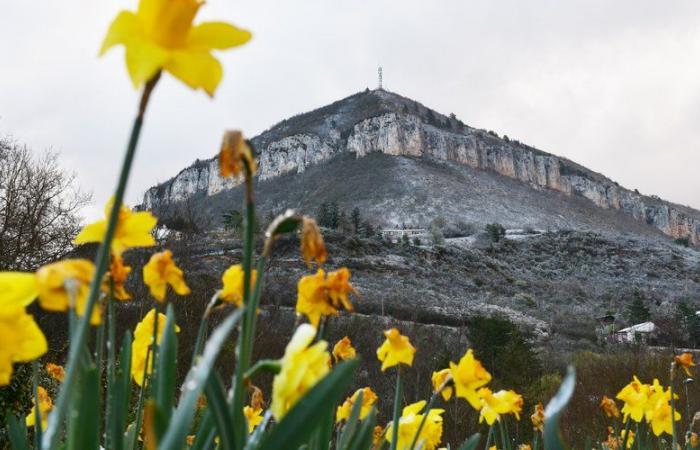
(15,398)
(504,350)
(495,231)
(637,311)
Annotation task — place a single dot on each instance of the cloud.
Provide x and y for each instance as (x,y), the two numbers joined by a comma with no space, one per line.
(612,85)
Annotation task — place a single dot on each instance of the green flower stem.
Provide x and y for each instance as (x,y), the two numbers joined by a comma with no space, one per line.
(154,343)
(427,410)
(203,327)
(502,432)
(37,412)
(673,407)
(536,440)
(628,426)
(397,410)
(79,338)
(111,355)
(489,437)
(145,384)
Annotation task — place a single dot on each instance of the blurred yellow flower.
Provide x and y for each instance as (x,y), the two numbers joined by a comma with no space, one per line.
(659,417)
(396,349)
(635,396)
(45,407)
(233,284)
(143,339)
(469,375)
(160,35)
(133,229)
(21,340)
(439,379)
(343,350)
(410,420)
(161,271)
(369,398)
(64,282)
(17,289)
(253,416)
(492,405)
(312,245)
(55,371)
(614,443)
(512,400)
(303,365)
(524,447)
(609,407)
(685,361)
(377,435)
(338,287)
(537,417)
(234,154)
(190,439)
(118,273)
(693,440)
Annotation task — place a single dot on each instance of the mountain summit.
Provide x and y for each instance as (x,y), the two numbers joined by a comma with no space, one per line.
(403,163)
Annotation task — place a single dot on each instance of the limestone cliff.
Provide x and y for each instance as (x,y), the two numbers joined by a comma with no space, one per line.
(382,122)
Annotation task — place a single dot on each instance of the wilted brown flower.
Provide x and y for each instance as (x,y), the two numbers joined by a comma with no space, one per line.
(234,153)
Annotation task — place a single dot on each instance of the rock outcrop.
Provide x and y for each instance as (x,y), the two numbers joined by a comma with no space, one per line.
(383,122)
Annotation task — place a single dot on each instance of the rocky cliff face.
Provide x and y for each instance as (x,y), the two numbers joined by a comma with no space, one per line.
(383,122)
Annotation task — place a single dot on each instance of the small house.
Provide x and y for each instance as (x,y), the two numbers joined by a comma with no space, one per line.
(636,334)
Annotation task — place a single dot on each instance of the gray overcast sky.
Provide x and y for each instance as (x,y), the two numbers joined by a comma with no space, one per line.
(613,85)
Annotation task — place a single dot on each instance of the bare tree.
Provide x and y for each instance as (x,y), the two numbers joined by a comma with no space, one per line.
(39,207)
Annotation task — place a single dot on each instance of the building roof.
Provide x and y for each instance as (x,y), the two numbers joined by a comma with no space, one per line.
(646,327)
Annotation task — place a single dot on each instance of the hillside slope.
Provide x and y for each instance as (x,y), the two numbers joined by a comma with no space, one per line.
(380,122)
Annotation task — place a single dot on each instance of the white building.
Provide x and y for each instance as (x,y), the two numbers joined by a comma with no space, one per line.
(639,333)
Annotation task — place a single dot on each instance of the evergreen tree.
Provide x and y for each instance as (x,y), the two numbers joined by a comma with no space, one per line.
(405,241)
(369,230)
(323,215)
(638,312)
(333,215)
(355,219)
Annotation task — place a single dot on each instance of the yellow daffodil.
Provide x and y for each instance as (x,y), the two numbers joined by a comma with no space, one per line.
(338,287)
(161,271)
(303,365)
(143,339)
(17,289)
(66,284)
(253,416)
(55,371)
(492,405)
(439,378)
(410,420)
(312,245)
(609,407)
(685,361)
(614,442)
(693,440)
(133,229)
(160,36)
(524,447)
(537,417)
(469,375)
(233,284)
(190,439)
(257,401)
(635,396)
(343,350)
(512,400)
(118,273)
(369,398)
(312,298)
(396,349)
(660,418)
(21,340)
(234,154)
(45,407)
(377,435)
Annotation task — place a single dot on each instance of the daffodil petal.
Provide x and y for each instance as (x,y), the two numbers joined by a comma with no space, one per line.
(217,35)
(123,30)
(198,70)
(93,232)
(143,60)
(139,226)
(17,289)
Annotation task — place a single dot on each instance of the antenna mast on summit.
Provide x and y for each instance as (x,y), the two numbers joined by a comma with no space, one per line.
(379,72)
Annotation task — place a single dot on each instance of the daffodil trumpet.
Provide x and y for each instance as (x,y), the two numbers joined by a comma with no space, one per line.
(79,336)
